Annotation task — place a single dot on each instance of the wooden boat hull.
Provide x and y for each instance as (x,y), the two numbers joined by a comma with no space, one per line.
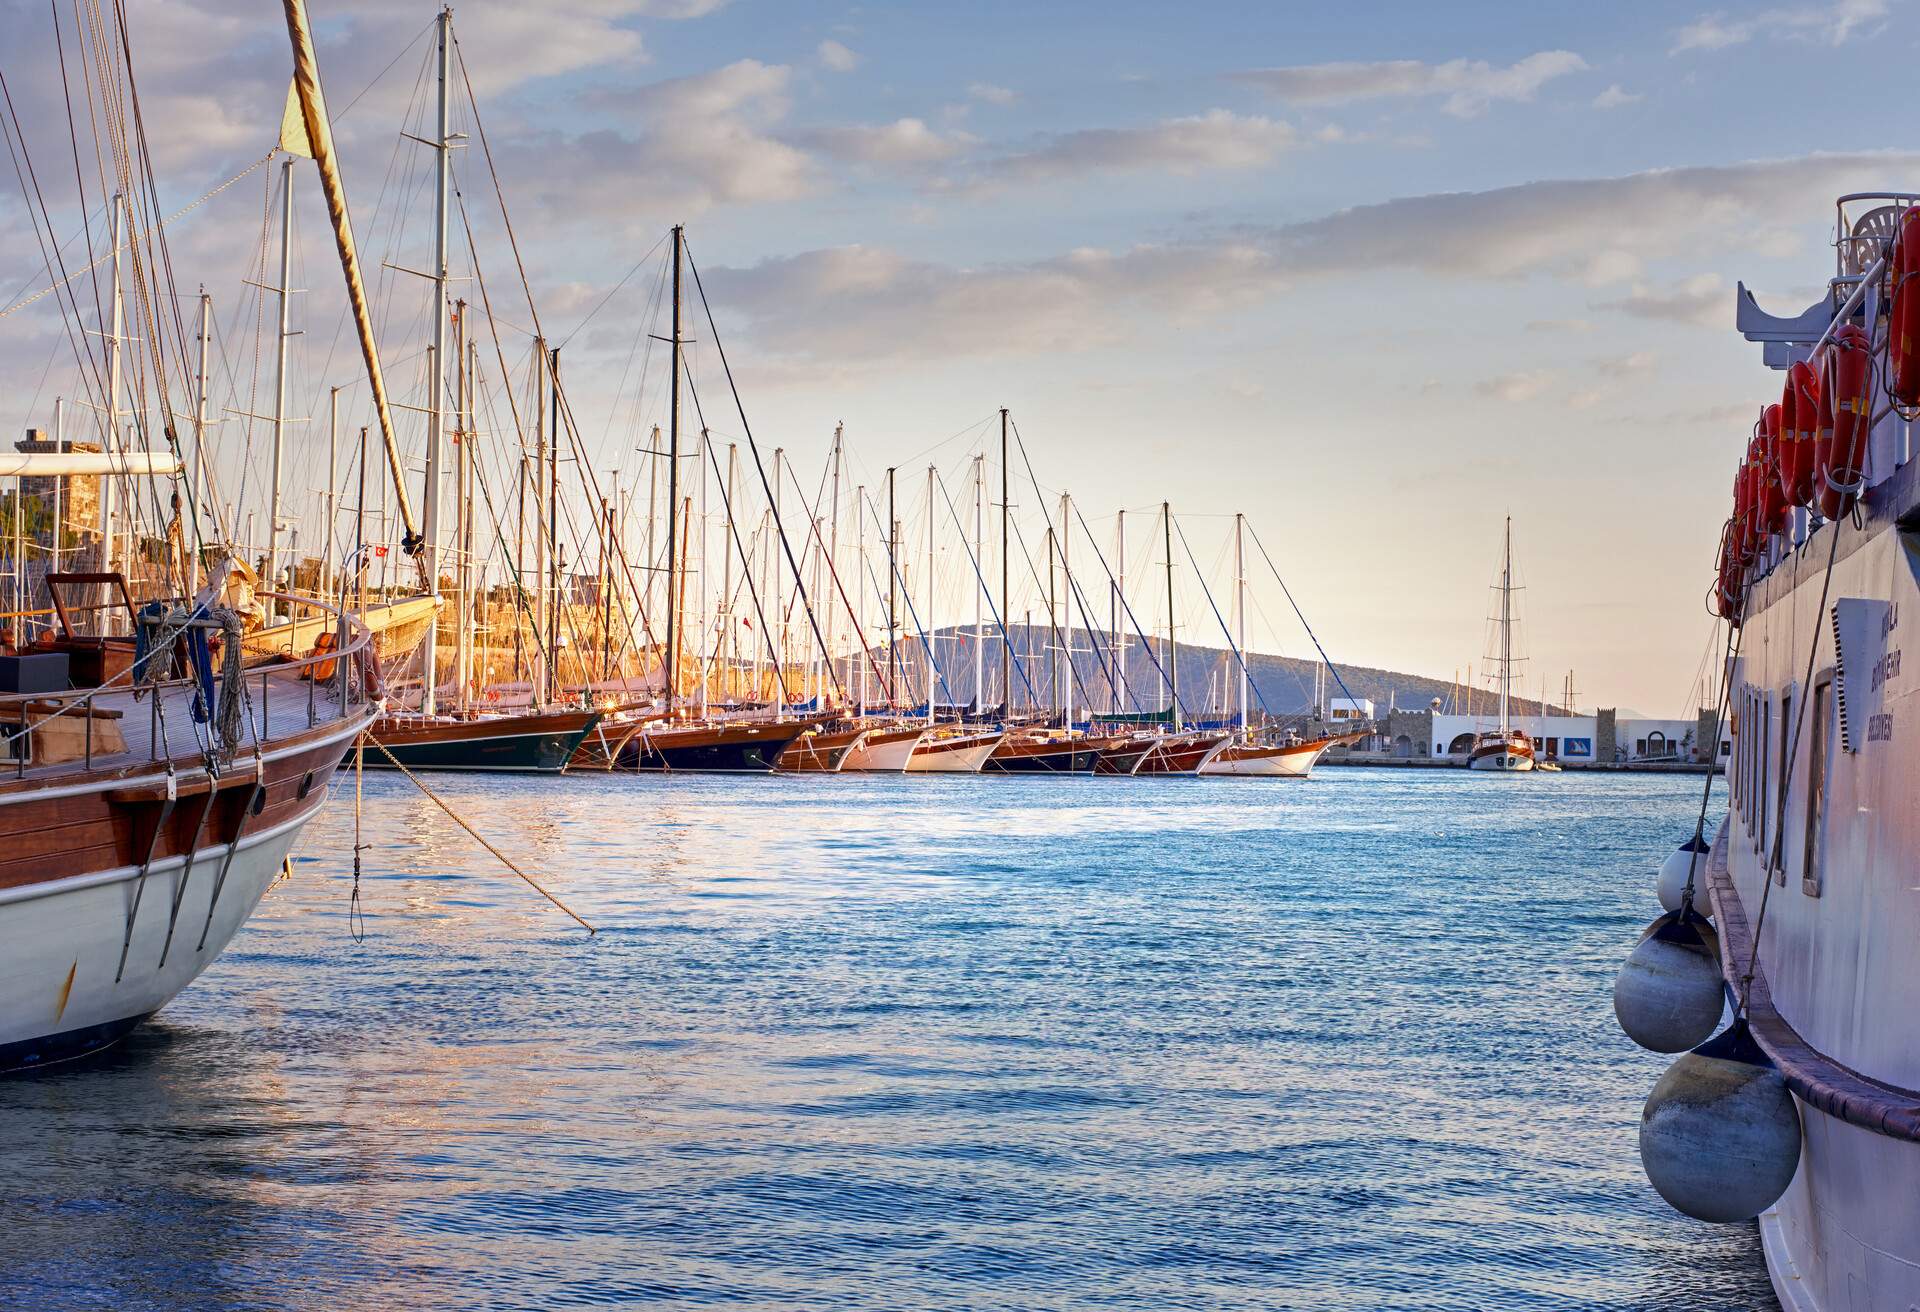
(963,755)
(1505,756)
(536,743)
(1181,753)
(601,748)
(74,868)
(820,753)
(884,751)
(1271,761)
(1078,756)
(1123,757)
(712,748)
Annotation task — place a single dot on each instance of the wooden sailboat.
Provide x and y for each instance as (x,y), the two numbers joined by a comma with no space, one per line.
(143,815)
(1243,756)
(1507,750)
(464,737)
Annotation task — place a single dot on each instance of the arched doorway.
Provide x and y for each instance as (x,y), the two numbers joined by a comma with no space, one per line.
(1461,745)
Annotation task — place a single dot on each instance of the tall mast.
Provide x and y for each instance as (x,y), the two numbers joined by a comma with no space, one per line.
(114,366)
(1173,651)
(726,577)
(706,666)
(1118,600)
(926,640)
(776,592)
(893,597)
(1053,630)
(673,473)
(979,593)
(553,522)
(536,478)
(463,512)
(860,590)
(436,370)
(333,491)
(1240,611)
(1066,613)
(1006,575)
(197,484)
(1506,624)
(833,549)
(285,290)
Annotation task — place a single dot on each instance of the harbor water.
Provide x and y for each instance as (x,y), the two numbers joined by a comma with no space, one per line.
(916,1043)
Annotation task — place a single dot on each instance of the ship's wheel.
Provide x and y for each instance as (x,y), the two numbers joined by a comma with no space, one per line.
(1872,236)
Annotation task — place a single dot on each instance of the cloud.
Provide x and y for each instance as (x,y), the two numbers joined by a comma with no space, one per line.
(707,140)
(1625,366)
(1516,388)
(907,141)
(1218,139)
(1615,96)
(888,307)
(1469,85)
(1701,300)
(836,58)
(991,94)
(1831,23)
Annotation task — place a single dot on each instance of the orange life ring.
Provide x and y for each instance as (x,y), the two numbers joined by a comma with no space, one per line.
(321,671)
(1846,418)
(1903,319)
(1799,414)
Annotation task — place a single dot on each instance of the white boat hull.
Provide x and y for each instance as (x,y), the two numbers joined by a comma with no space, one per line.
(1296,763)
(60,944)
(880,758)
(954,760)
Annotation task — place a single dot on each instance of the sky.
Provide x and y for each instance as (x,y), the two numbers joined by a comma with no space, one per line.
(1376,275)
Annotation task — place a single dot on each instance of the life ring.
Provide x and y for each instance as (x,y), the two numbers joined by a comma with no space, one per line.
(1846,420)
(1799,413)
(1903,319)
(1772,508)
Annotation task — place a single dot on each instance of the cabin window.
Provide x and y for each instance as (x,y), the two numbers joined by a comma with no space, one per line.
(1785,784)
(1812,868)
(1760,793)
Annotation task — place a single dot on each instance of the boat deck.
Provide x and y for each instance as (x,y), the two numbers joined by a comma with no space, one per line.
(80,733)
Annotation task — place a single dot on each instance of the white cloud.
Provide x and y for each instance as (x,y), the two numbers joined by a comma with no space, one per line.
(1218,139)
(888,307)
(1469,85)
(1615,96)
(991,94)
(906,141)
(1625,366)
(1516,388)
(836,58)
(1700,300)
(1832,23)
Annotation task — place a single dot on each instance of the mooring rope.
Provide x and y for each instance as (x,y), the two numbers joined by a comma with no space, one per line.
(455,816)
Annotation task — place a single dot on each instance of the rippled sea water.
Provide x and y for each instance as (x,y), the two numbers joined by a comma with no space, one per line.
(916,1043)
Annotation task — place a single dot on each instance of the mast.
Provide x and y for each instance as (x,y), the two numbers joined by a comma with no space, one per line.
(926,639)
(833,552)
(313,114)
(979,595)
(114,366)
(860,590)
(1006,576)
(463,511)
(1053,629)
(726,576)
(1506,625)
(197,483)
(535,478)
(706,665)
(285,291)
(436,368)
(673,474)
(775,591)
(553,524)
(893,601)
(1173,651)
(1066,628)
(1240,611)
(332,496)
(1117,599)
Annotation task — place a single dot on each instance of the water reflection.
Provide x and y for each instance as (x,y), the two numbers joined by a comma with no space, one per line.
(927,1043)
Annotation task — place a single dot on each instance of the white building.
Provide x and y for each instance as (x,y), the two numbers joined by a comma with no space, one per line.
(1348,708)
(1581,739)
